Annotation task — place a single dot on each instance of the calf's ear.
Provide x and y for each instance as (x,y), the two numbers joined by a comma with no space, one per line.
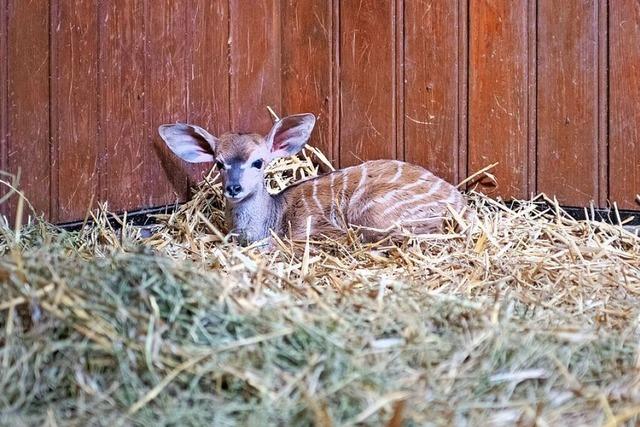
(189,142)
(290,134)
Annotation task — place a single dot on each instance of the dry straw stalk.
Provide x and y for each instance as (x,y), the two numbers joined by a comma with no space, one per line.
(529,317)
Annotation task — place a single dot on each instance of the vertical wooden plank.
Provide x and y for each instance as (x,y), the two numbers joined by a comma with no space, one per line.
(603,102)
(255,64)
(399,83)
(76,86)
(624,109)
(54,26)
(532,108)
(463,88)
(165,178)
(568,100)
(3,100)
(28,100)
(122,109)
(336,82)
(207,70)
(431,85)
(306,64)
(367,88)
(498,87)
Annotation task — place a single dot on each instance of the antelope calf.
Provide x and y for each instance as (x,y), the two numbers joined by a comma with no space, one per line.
(380,197)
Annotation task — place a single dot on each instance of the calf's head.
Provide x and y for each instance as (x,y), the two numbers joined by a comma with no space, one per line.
(240,158)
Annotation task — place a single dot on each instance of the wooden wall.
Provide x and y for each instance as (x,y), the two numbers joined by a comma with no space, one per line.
(550,89)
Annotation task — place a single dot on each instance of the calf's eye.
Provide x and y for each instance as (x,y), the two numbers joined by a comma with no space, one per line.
(257,164)
(220,165)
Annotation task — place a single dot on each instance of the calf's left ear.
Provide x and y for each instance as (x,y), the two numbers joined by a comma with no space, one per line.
(290,134)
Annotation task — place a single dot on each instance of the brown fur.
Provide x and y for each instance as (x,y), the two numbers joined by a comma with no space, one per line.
(239,147)
(364,196)
(381,198)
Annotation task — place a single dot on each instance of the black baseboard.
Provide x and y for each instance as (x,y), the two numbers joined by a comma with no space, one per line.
(142,217)
(605,215)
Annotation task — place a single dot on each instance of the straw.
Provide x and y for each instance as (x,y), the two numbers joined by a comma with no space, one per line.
(526,316)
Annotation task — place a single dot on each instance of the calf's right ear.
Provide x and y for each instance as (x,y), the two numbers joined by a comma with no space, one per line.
(189,142)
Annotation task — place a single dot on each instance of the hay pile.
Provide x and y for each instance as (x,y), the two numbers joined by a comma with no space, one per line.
(530,318)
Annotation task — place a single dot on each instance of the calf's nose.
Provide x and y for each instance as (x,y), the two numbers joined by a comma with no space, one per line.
(233,190)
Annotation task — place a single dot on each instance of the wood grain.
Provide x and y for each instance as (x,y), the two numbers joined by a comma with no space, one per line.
(28,149)
(399,80)
(603,102)
(568,101)
(207,71)
(548,89)
(335,86)
(255,64)
(76,127)
(431,77)
(123,134)
(165,176)
(463,89)
(532,106)
(3,101)
(624,112)
(307,65)
(498,87)
(367,87)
